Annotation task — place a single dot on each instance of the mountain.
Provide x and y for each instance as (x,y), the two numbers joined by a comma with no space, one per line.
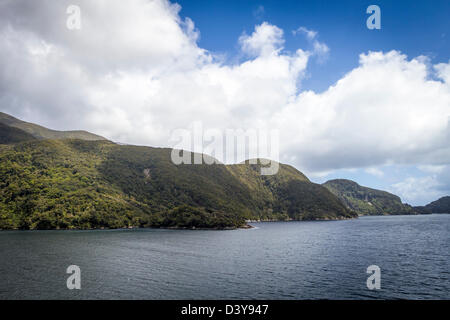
(10,135)
(73,183)
(40,132)
(441,205)
(367,201)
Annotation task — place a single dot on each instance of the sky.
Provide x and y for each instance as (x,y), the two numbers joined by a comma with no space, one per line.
(371,105)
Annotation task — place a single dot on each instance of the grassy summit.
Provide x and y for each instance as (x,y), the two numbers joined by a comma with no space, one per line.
(40,132)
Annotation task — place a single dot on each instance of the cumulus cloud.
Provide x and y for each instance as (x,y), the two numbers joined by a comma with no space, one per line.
(416,189)
(49,72)
(420,190)
(443,71)
(135,72)
(138,75)
(434,184)
(266,40)
(385,111)
(320,49)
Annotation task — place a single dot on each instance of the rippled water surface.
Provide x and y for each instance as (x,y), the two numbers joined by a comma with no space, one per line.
(276,260)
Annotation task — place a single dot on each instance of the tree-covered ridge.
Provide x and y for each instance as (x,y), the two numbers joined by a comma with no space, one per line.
(441,205)
(40,132)
(367,201)
(48,184)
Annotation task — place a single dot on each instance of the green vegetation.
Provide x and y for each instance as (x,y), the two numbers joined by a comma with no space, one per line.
(51,184)
(310,201)
(367,201)
(40,132)
(48,184)
(193,218)
(441,205)
(289,195)
(85,183)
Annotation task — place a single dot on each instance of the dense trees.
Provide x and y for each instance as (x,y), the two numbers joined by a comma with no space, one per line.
(51,184)
(441,205)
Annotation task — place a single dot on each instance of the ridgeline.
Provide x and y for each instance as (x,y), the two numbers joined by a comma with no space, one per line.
(78,180)
(62,183)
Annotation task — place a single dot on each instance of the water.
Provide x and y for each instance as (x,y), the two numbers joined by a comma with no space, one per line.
(276,260)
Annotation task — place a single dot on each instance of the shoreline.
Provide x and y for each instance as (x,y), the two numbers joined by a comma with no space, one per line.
(246,226)
(294,220)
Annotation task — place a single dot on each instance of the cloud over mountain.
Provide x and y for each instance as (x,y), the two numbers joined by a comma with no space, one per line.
(135,72)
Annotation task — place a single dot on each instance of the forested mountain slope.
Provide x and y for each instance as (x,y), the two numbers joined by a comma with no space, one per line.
(46,184)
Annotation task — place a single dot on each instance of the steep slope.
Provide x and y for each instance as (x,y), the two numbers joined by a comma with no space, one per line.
(441,205)
(40,132)
(367,201)
(288,194)
(9,135)
(47,184)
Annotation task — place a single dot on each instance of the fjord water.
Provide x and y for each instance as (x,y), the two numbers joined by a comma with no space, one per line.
(276,260)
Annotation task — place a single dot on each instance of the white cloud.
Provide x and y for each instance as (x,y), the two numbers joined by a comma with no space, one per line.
(418,190)
(166,82)
(310,34)
(384,111)
(134,73)
(432,169)
(375,172)
(266,40)
(320,49)
(443,71)
(421,190)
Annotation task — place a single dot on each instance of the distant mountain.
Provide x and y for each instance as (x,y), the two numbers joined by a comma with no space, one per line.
(367,201)
(72,183)
(441,205)
(40,132)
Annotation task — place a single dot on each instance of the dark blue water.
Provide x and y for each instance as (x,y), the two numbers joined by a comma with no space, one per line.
(278,260)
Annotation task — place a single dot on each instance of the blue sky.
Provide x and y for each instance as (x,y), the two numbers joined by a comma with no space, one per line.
(413,27)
